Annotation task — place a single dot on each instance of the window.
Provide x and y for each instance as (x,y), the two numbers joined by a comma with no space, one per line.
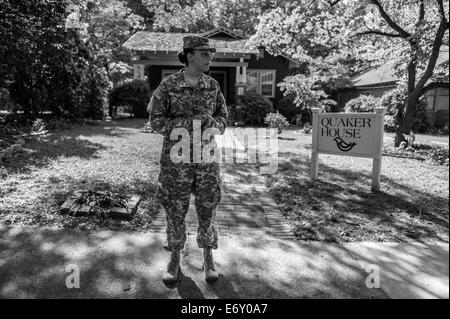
(443,92)
(261,82)
(252,81)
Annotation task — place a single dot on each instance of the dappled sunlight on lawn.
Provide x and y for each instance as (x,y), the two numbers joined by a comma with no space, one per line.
(340,206)
(55,165)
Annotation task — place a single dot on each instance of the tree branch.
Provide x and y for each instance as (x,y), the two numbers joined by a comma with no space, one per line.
(421,10)
(437,43)
(333,3)
(389,21)
(378,32)
(434,85)
(442,10)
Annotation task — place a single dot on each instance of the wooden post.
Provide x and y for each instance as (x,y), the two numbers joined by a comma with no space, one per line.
(376,168)
(315,136)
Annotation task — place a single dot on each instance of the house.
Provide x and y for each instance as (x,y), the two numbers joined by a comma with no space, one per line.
(378,81)
(237,66)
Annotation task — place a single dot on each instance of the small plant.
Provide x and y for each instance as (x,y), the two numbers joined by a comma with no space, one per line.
(307,128)
(276,120)
(38,127)
(363,103)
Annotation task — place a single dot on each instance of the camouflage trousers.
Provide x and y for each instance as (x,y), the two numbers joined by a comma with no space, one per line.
(176,183)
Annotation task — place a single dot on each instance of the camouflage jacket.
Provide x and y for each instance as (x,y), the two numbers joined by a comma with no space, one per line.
(175,104)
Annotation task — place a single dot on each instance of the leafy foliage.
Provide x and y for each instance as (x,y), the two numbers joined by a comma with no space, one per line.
(362,103)
(287,108)
(276,120)
(204,15)
(255,107)
(47,67)
(394,100)
(346,36)
(135,95)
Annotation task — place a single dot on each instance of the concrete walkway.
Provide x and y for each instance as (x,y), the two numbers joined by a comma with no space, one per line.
(35,263)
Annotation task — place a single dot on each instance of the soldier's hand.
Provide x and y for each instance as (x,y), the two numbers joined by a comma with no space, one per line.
(187,113)
(205,118)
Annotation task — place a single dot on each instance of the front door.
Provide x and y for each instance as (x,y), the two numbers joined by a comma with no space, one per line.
(221,77)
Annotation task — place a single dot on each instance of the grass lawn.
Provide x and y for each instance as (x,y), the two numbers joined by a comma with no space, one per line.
(112,156)
(117,156)
(412,204)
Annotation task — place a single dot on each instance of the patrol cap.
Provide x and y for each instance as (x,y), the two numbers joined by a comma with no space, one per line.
(197,43)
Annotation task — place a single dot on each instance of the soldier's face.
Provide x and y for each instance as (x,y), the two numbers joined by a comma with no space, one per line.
(201,59)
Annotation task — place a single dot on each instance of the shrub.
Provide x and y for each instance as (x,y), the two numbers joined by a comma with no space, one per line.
(307,128)
(255,108)
(389,123)
(363,103)
(231,114)
(433,153)
(394,101)
(276,120)
(287,108)
(135,95)
(38,126)
(439,155)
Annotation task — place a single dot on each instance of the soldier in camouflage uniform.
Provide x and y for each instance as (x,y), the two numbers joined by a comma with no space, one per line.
(180,99)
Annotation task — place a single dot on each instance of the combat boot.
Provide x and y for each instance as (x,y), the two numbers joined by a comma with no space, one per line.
(211,274)
(170,276)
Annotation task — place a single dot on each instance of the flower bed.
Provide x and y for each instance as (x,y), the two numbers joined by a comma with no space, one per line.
(423,152)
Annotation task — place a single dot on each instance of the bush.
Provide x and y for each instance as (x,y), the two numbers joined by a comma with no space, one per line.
(276,120)
(287,108)
(255,108)
(394,101)
(439,156)
(363,103)
(389,123)
(231,114)
(135,95)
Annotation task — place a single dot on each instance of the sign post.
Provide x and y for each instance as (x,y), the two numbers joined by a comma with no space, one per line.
(348,134)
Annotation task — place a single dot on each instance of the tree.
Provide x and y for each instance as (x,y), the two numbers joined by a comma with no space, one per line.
(204,15)
(109,23)
(411,34)
(45,66)
(408,33)
(297,30)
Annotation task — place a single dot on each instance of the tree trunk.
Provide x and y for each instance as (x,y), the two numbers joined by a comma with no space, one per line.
(405,116)
(405,121)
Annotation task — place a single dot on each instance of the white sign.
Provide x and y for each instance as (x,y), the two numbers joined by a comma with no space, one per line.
(354,134)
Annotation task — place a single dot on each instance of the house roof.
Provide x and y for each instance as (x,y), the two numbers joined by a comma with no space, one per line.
(173,42)
(384,74)
(223,30)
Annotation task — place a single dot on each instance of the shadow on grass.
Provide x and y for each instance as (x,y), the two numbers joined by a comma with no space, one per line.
(39,151)
(341,207)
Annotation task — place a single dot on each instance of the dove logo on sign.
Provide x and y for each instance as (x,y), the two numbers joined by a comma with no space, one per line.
(342,145)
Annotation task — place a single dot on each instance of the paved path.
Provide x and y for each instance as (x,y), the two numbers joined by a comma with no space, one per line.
(34,264)
(246,207)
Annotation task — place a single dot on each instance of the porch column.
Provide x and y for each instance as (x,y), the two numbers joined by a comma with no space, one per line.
(241,78)
(139,72)
(244,72)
